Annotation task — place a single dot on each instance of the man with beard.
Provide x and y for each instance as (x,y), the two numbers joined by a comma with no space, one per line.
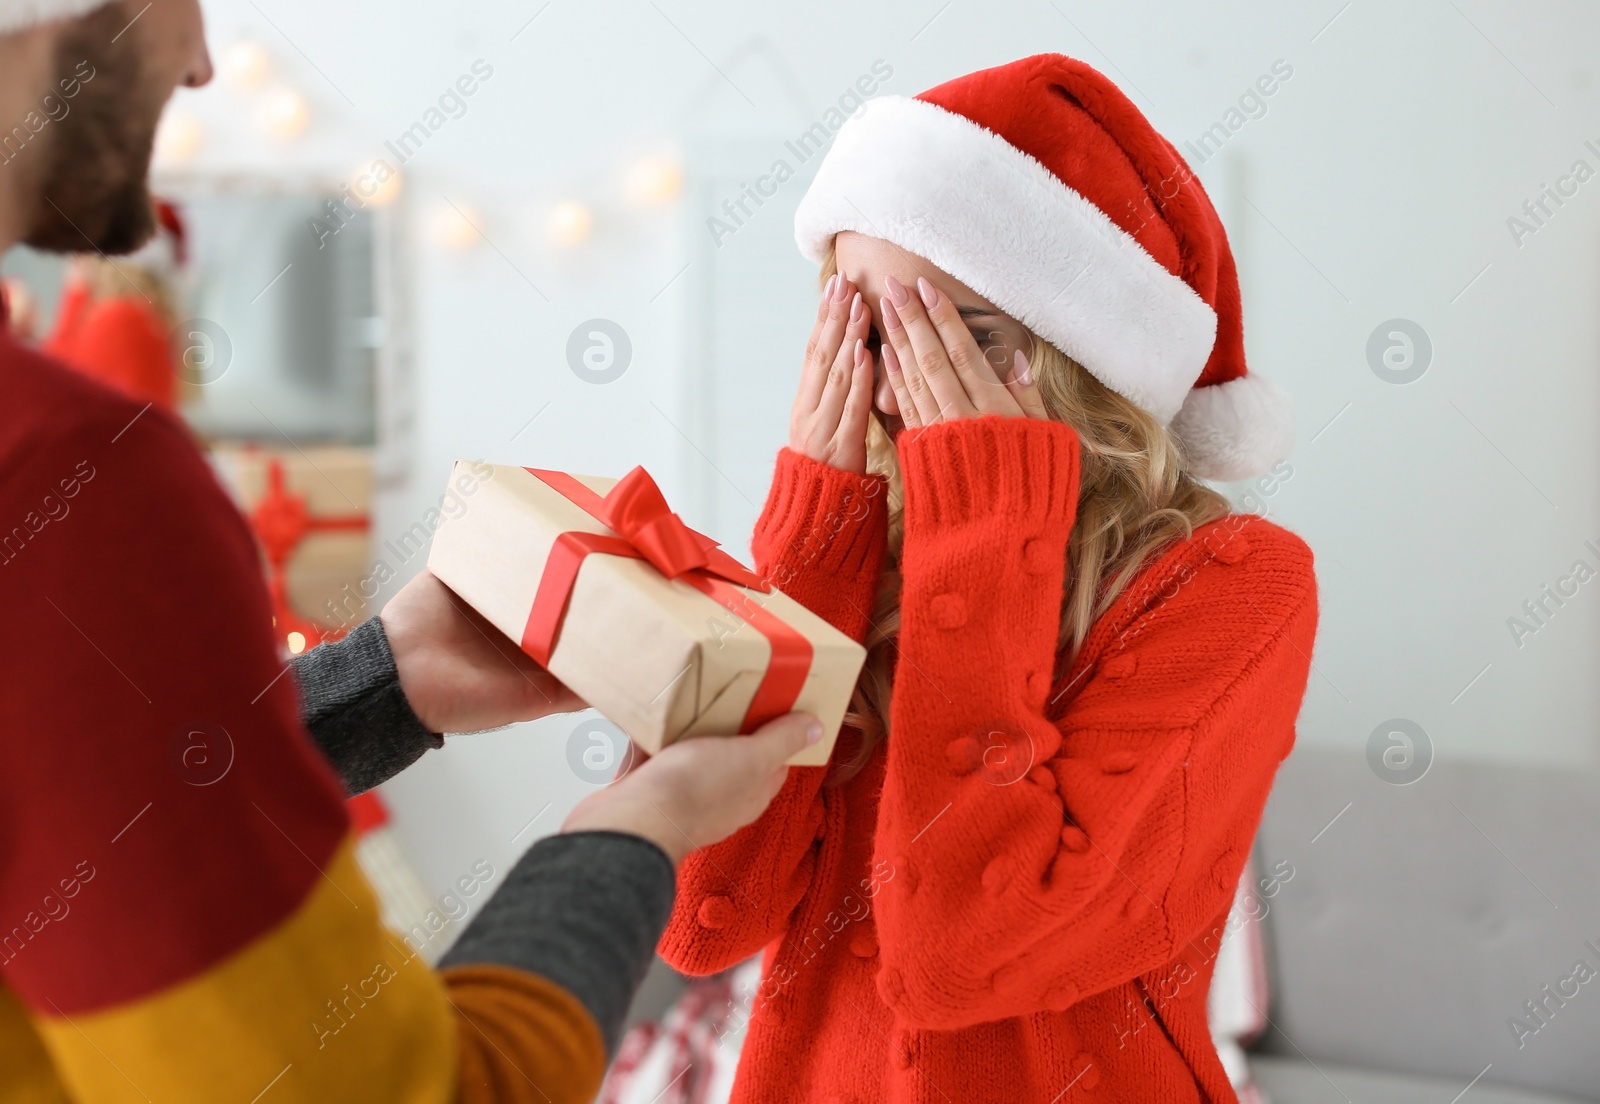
(181,917)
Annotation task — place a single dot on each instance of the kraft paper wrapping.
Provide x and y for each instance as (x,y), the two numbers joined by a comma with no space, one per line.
(662,660)
(335,481)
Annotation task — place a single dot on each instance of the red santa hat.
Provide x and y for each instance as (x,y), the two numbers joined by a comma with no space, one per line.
(19,15)
(1043,188)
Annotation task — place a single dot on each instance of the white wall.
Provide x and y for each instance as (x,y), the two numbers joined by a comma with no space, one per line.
(1377,185)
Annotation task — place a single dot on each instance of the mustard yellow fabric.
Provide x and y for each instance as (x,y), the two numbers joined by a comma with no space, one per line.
(330,1006)
(26,1075)
(524,1039)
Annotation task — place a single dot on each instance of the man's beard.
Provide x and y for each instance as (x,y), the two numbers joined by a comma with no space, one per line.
(93,193)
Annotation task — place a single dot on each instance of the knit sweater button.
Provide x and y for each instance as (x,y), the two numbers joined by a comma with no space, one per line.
(1037,558)
(1119,666)
(1120,762)
(949,611)
(1043,776)
(822,830)
(997,875)
(891,986)
(863,944)
(1074,839)
(907,876)
(963,755)
(1085,1070)
(905,1051)
(1011,979)
(717,912)
(1233,550)
(1061,996)
(1038,683)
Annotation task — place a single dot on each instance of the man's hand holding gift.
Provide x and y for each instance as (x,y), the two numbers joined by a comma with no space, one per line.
(461,674)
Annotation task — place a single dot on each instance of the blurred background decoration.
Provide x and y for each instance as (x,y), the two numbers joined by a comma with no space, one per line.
(550,234)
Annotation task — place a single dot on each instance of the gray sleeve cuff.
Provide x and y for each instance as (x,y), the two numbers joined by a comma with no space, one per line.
(356,711)
(584,910)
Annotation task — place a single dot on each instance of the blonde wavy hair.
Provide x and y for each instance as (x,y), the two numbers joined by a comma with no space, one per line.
(1135,497)
(109,279)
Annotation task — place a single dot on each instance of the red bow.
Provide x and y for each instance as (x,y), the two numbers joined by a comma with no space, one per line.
(647,529)
(639,513)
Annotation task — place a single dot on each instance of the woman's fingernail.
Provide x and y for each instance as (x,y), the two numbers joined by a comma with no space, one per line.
(891,360)
(840,289)
(813,732)
(897,291)
(891,317)
(827,290)
(861,353)
(929,293)
(1024,369)
(858,309)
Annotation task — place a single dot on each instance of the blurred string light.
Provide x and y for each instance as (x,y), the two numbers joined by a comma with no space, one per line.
(179,136)
(569,223)
(653,181)
(377,184)
(284,114)
(454,226)
(649,181)
(245,65)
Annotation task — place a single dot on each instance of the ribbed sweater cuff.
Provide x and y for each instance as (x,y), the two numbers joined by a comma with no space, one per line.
(583,909)
(1025,469)
(356,711)
(834,521)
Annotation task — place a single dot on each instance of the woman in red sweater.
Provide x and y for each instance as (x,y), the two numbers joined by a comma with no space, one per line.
(1011,882)
(113,324)
(115,319)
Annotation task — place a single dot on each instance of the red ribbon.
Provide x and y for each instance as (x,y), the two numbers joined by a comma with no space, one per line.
(647,529)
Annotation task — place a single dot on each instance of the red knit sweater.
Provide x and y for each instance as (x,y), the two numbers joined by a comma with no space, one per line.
(1020,897)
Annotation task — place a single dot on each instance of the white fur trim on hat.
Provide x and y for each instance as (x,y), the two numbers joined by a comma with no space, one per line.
(1237,429)
(17,15)
(941,186)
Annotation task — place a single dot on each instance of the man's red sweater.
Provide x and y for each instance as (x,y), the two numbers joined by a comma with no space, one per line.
(1021,896)
(182,916)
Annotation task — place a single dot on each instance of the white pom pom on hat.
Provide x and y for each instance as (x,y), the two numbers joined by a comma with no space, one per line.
(1042,187)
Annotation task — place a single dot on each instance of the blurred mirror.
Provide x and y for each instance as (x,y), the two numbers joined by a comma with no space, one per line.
(283,327)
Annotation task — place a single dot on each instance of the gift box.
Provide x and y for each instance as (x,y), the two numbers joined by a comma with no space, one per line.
(310,509)
(646,619)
